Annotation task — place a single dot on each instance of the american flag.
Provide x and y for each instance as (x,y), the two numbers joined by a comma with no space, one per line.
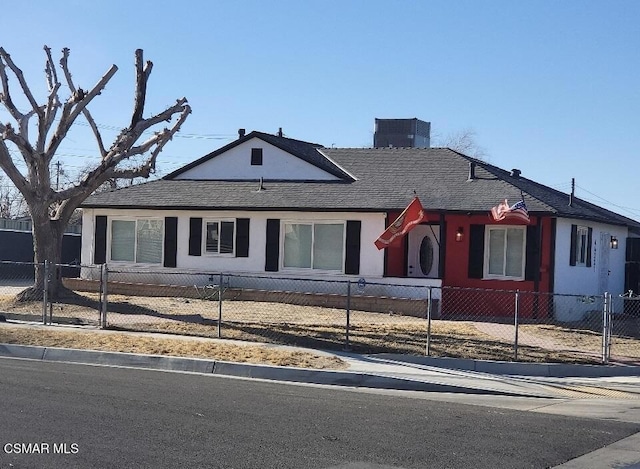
(515,212)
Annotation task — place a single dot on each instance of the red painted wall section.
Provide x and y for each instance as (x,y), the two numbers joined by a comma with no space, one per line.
(395,256)
(464,302)
(468,297)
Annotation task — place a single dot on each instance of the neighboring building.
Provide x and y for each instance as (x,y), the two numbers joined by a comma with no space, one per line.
(269,204)
(16,246)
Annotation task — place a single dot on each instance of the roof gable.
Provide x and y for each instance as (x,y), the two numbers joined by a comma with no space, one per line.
(281,159)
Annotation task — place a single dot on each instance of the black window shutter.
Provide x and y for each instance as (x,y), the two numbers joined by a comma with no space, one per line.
(352,247)
(170,241)
(574,243)
(100,247)
(531,269)
(242,237)
(272,248)
(589,239)
(476,251)
(256,156)
(195,236)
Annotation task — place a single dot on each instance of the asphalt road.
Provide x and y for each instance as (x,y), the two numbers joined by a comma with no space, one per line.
(114,417)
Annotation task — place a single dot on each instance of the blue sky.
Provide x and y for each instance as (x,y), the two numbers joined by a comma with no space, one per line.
(549,87)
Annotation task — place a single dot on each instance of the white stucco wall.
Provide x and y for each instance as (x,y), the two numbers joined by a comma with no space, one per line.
(276,164)
(586,281)
(371,260)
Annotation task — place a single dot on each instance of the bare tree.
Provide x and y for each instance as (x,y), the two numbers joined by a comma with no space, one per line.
(128,157)
(12,204)
(463,141)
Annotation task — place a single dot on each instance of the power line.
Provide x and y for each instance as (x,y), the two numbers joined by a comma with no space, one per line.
(633,210)
(116,128)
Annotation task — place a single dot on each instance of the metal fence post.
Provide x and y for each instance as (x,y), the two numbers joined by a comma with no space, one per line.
(220,291)
(610,328)
(605,328)
(347,345)
(45,292)
(104,275)
(429,309)
(515,323)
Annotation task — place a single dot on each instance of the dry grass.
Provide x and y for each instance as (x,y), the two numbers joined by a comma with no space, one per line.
(625,339)
(324,328)
(123,342)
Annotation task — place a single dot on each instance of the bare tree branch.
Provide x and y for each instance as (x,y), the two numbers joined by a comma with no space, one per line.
(50,70)
(142,77)
(119,153)
(65,68)
(23,145)
(53,102)
(10,169)
(6,94)
(23,84)
(169,136)
(128,136)
(73,107)
(463,141)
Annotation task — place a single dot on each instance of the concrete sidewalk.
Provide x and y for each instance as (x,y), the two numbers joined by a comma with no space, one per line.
(386,371)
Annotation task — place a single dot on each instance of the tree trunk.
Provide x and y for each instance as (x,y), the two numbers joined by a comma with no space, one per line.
(47,246)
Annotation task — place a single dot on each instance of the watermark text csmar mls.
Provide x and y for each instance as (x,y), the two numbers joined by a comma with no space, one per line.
(40,448)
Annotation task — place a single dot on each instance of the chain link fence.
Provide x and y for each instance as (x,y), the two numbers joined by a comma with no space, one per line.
(360,316)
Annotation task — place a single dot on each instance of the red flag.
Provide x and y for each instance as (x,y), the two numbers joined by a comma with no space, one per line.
(504,212)
(408,219)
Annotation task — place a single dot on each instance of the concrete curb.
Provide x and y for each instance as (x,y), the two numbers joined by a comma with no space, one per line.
(621,454)
(555,370)
(267,372)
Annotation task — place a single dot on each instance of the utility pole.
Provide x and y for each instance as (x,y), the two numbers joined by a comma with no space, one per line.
(58,171)
(573,191)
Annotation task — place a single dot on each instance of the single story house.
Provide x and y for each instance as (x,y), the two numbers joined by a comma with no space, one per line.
(271,205)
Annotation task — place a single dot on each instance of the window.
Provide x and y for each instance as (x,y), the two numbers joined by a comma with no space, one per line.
(505,252)
(219,236)
(581,245)
(256,157)
(311,245)
(138,241)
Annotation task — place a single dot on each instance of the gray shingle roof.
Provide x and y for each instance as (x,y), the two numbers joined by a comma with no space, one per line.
(386,179)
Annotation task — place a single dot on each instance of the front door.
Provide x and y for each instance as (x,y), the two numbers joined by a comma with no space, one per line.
(424,251)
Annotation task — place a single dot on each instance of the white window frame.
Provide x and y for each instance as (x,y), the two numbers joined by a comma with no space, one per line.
(582,245)
(206,221)
(487,254)
(313,223)
(135,239)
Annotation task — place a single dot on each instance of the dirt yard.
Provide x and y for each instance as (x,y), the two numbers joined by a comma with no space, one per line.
(325,328)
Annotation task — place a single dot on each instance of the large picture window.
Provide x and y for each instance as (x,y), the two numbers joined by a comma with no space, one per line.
(309,245)
(219,236)
(505,252)
(138,241)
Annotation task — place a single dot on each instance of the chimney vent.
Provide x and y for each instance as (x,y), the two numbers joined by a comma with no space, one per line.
(515,173)
(472,170)
(241,133)
(280,132)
